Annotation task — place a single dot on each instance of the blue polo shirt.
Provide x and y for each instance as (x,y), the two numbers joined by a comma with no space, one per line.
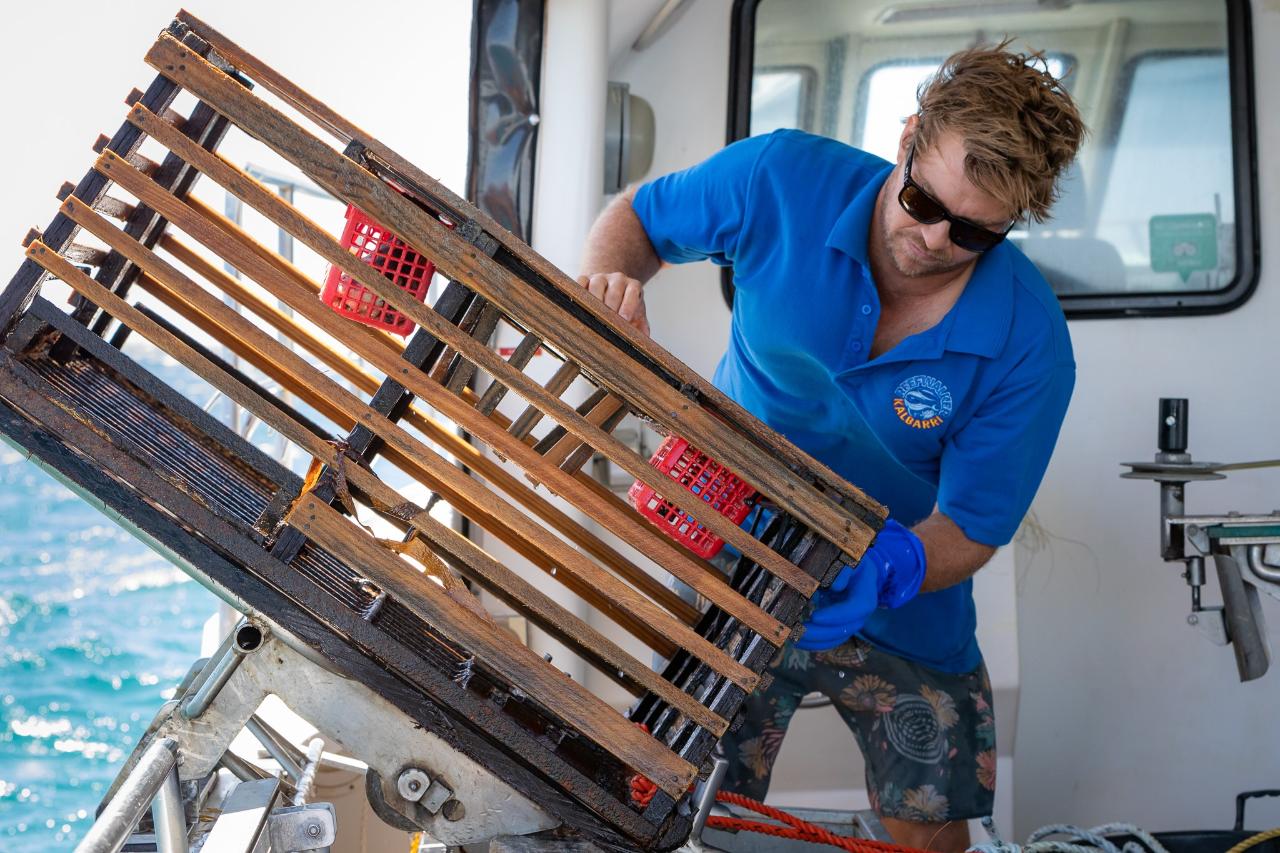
(962,416)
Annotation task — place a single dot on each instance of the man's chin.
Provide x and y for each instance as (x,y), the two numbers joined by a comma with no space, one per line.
(913,266)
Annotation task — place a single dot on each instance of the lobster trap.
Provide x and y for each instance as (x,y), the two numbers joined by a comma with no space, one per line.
(145,259)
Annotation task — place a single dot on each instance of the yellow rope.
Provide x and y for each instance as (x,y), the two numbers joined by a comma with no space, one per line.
(1255,840)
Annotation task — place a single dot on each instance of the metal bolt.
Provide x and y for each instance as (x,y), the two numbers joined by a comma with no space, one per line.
(412,784)
(313,830)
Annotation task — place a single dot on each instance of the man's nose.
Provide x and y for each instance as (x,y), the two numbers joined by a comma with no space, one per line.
(937,236)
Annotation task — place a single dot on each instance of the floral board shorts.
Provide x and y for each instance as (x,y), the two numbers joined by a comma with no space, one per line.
(928,737)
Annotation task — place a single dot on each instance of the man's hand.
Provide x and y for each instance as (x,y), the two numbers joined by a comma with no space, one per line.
(888,575)
(840,610)
(620,293)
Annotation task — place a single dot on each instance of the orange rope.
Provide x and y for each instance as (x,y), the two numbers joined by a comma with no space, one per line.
(795,829)
(642,791)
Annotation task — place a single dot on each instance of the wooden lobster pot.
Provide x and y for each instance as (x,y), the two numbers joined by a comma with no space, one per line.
(394,613)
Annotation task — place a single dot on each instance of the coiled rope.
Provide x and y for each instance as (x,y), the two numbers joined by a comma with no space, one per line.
(1078,840)
(1255,840)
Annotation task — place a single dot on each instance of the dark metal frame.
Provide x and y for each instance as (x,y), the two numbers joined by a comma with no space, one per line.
(499,181)
(1080,306)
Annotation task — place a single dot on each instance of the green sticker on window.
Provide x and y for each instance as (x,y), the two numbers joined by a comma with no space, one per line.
(1184,243)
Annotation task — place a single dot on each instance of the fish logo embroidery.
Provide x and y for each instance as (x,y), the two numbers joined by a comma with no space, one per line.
(922,402)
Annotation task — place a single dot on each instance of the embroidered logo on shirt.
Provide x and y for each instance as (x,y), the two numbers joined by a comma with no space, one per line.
(922,402)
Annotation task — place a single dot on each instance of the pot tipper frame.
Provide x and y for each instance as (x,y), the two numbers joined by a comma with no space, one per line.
(287,549)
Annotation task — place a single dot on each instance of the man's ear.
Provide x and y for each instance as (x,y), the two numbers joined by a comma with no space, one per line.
(908,133)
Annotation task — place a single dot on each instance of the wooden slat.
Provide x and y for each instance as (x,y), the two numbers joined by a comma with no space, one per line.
(600,413)
(463,262)
(557,384)
(518,359)
(439,433)
(749,428)
(114,207)
(673,558)
(512,660)
(611,596)
(453,371)
(575,460)
(78,254)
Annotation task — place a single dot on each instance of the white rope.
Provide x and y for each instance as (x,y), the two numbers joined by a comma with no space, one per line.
(1078,840)
(314,749)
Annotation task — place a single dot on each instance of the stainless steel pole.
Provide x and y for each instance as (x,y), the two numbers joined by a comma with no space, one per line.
(112,828)
(166,814)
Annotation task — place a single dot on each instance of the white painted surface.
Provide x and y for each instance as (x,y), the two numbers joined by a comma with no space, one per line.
(70,64)
(571,134)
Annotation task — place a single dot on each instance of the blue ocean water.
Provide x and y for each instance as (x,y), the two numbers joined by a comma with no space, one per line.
(96,630)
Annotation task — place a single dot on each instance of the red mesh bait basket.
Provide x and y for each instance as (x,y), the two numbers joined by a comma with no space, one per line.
(387,254)
(705,479)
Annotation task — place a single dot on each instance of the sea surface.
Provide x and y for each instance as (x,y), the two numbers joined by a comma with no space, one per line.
(96,630)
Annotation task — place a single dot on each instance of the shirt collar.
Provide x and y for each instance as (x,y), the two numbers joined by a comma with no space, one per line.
(979,321)
(981,318)
(849,234)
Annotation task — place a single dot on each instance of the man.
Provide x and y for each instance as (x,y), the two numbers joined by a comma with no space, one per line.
(883,324)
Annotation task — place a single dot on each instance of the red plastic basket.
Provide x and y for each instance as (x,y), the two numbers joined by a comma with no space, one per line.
(387,254)
(706,480)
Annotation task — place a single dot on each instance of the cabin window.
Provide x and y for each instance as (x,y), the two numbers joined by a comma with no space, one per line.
(782,97)
(1157,216)
(887,94)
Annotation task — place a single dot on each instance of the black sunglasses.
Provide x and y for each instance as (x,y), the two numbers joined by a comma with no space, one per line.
(926,209)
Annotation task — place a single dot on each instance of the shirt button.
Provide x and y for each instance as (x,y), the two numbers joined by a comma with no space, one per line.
(866,309)
(857,347)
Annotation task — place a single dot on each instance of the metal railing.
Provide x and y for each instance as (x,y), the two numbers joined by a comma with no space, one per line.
(153,783)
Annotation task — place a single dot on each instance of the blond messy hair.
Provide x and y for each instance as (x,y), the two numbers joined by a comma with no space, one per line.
(1020,127)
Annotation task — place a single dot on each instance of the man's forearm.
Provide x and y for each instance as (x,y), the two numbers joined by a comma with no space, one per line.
(617,243)
(950,556)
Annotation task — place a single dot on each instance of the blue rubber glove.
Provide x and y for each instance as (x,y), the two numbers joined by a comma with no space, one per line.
(898,555)
(840,609)
(888,575)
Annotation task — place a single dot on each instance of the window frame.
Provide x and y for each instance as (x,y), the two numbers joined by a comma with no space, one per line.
(1240,74)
